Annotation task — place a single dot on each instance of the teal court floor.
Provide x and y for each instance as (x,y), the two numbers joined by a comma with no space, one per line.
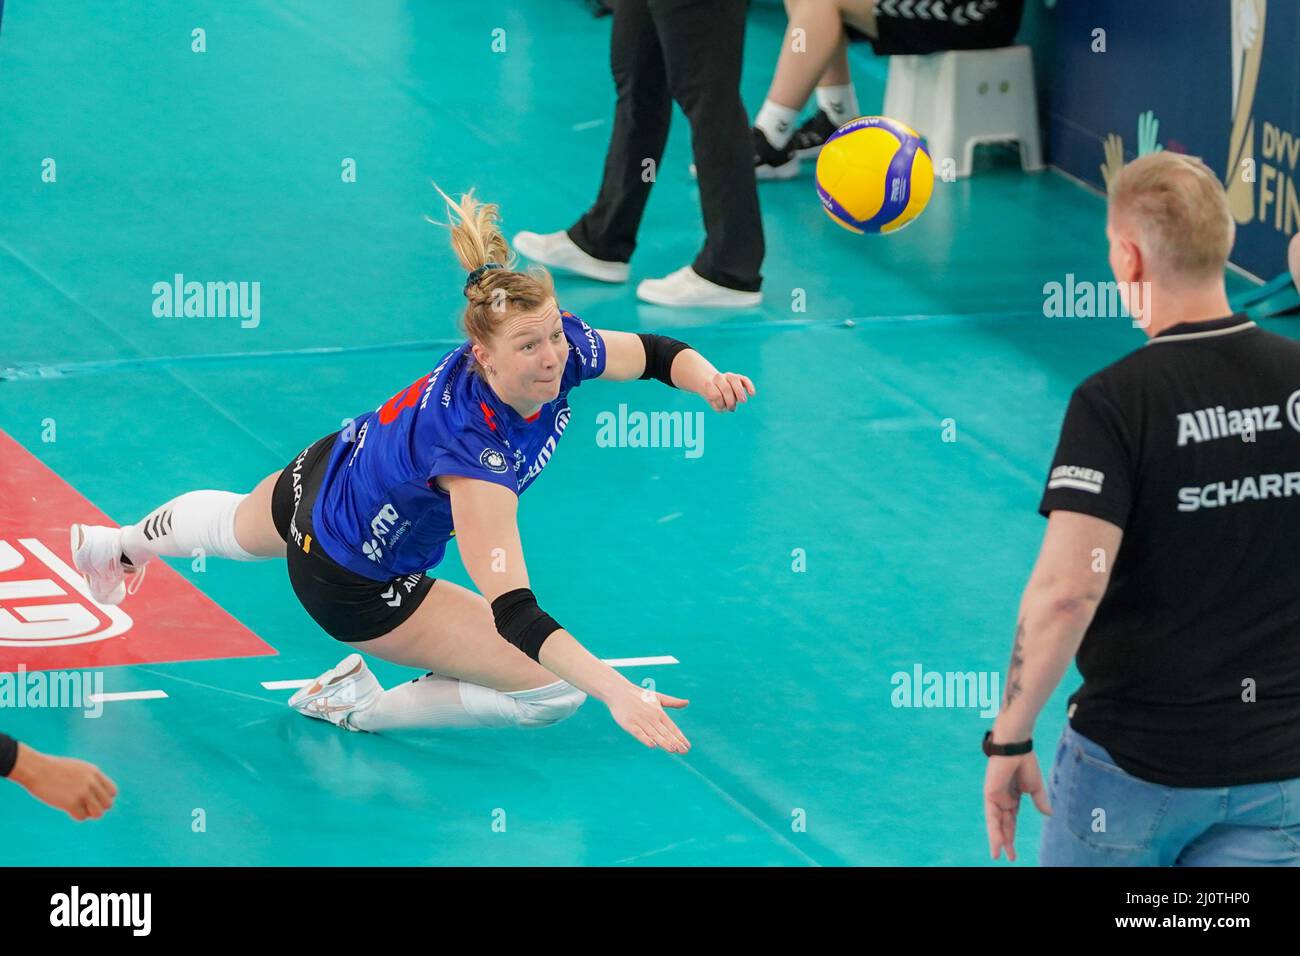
(225,165)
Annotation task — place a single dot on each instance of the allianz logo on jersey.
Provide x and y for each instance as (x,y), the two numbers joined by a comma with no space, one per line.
(385,532)
(1211,424)
(544,455)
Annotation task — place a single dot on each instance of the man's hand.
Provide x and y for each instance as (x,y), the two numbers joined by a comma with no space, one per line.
(1006,779)
(79,789)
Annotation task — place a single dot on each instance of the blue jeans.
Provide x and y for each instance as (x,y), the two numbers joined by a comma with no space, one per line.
(1103,816)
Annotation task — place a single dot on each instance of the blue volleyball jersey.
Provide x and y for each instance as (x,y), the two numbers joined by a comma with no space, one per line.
(379,512)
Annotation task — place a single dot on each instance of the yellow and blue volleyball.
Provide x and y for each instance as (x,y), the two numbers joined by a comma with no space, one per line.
(874,174)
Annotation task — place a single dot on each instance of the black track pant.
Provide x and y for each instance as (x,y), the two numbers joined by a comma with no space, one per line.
(689,51)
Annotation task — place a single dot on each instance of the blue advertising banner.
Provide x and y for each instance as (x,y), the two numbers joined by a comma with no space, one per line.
(1218,79)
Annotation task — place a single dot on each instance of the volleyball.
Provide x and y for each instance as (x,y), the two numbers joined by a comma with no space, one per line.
(874,174)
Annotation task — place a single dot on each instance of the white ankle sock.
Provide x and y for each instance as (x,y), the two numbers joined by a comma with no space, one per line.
(437,701)
(776,122)
(840,103)
(197,520)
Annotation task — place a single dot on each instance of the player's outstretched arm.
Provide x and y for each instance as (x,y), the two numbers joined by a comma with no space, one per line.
(631,355)
(485,515)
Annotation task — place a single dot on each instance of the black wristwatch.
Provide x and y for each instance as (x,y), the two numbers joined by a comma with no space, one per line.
(1005,750)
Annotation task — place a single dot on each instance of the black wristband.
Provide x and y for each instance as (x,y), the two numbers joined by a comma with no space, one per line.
(521,622)
(660,350)
(1005,750)
(8,754)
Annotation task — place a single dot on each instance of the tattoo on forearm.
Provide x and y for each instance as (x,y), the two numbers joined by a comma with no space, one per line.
(1016,666)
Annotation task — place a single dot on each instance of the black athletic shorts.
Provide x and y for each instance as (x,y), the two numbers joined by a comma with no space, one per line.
(349,606)
(968,25)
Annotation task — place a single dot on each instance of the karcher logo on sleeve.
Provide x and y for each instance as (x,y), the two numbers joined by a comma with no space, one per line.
(1073,476)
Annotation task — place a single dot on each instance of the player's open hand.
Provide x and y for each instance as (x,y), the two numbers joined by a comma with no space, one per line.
(640,711)
(725,390)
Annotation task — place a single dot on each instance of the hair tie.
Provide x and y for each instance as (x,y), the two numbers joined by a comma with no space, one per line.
(478,274)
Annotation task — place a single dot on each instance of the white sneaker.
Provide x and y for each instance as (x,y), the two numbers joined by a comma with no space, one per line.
(340,693)
(97,554)
(686,287)
(557,250)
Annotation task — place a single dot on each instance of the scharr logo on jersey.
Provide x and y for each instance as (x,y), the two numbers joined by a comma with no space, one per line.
(1208,424)
(592,342)
(1221,494)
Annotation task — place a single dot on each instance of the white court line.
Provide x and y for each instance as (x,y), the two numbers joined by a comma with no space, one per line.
(128,695)
(612,662)
(589,124)
(639,661)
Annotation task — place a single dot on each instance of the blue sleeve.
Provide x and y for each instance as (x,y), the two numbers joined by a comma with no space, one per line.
(475,453)
(586,351)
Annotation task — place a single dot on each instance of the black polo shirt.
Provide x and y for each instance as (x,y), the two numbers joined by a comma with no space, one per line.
(1191,445)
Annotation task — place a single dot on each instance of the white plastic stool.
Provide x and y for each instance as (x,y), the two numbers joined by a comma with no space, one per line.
(961,98)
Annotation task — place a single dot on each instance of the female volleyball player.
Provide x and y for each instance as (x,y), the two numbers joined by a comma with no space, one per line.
(361,514)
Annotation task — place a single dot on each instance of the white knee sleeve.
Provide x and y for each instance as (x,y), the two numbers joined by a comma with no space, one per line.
(196,520)
(537,707)
(551,704)
(214,531)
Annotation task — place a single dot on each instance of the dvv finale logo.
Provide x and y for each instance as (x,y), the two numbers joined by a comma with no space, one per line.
(1260,177)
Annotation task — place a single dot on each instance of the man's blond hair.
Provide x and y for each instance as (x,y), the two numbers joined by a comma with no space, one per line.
(1179,211)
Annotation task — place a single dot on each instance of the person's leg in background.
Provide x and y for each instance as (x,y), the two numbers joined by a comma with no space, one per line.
(836,96)
(891,30)
(814,54)
(837,104)
(601,242)
(837,71)
(814,44)
(641,119)
(703,47)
